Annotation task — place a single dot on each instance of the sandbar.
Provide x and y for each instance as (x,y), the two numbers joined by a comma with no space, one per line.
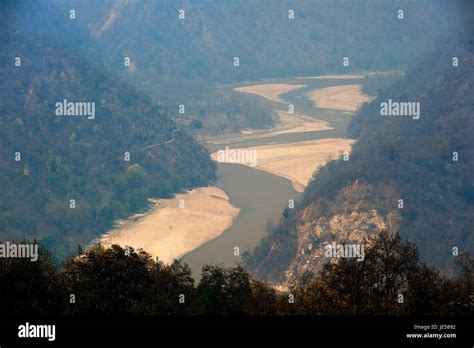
(174,227)
(346,98)
(298,161)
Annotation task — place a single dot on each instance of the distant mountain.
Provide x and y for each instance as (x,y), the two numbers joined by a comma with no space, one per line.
(176,52)
(202,45)
(64,179)
(427,162)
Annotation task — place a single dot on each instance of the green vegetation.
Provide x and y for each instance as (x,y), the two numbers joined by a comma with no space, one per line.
(412,158)
(115,281)
(180,61)
(218,111)
(66,158)
(202,46)
(175,62)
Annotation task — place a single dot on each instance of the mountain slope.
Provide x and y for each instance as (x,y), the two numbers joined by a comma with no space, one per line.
(396,157)
(203,44)
(47,160)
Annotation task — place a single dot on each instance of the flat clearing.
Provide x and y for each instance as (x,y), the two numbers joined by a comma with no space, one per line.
(298,161)
(169,232)
(270,91)
(346,98)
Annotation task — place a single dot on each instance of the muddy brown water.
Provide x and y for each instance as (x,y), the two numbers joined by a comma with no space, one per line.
(262,196)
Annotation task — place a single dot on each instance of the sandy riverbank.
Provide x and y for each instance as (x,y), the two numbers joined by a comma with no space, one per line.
(169,230)
(298,161)
(270,91)
(346,98)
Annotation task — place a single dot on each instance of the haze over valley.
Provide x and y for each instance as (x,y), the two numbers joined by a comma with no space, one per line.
(236,145)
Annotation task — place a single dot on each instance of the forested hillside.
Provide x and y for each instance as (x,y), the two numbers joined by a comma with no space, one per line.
(65,179)
(177,51)
(428,163)
(270,40)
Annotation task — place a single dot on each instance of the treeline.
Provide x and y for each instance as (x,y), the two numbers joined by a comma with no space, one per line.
(265,36)
(214,112)
(117,281)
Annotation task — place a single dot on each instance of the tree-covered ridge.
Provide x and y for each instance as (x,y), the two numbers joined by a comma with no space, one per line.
(271,38)
(46,160)
(114,281)
(190,46)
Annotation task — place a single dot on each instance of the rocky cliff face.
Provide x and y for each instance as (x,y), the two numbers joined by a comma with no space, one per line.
(359,210)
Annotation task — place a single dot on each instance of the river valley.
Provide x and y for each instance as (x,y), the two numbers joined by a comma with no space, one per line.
(288,154)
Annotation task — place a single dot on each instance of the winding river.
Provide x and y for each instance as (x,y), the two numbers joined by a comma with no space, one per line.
(220,223)
(262,196)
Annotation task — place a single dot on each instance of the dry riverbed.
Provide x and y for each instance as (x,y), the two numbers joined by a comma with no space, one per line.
(346,98)
(297,161)
(169,230)
(174,227)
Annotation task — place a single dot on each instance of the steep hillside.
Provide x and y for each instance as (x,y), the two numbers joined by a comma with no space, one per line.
(48,159)
(396,158)
(200,47)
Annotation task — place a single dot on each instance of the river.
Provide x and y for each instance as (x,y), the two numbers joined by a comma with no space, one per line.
(262,196)
(293,149)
